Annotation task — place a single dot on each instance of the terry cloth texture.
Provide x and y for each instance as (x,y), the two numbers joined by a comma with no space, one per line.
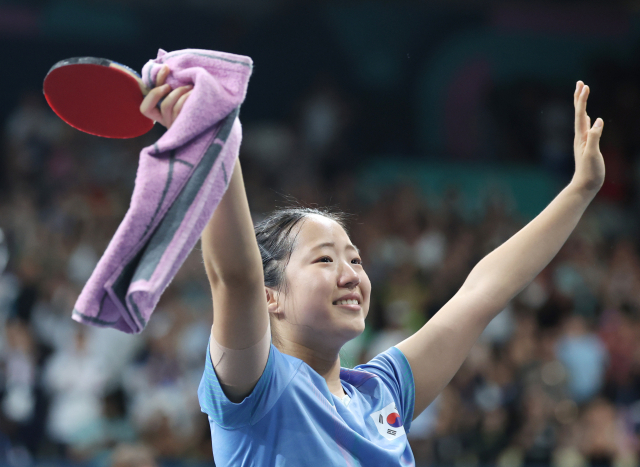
(180,181)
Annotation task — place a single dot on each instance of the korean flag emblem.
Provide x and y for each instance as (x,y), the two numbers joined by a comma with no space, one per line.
(388,422)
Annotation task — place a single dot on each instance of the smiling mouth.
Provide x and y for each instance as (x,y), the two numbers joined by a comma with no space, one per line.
(346,302)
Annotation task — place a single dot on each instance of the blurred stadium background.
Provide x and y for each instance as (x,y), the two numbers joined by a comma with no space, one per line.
(442,126)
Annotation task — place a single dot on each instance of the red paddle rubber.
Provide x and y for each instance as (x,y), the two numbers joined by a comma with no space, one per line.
(97,99)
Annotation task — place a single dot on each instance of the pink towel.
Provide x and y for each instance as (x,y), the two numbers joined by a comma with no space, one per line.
(180,181)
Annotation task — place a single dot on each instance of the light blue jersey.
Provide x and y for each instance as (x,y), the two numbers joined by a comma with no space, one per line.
(291,419)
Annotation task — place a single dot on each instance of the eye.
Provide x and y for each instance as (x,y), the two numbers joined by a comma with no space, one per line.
(356,261)
(325,259)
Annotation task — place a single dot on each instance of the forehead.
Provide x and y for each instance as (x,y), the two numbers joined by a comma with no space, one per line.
(318,229)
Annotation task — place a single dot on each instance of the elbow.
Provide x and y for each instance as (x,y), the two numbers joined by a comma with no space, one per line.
(487,301)
(243,278)
(238,277)
(492,291)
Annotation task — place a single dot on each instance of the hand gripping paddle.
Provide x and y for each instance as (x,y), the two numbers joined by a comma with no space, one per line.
(98,96)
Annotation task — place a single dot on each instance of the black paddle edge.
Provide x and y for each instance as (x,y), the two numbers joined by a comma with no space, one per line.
(91,61)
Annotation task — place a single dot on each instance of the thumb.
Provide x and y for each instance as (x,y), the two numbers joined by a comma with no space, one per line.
(593,137)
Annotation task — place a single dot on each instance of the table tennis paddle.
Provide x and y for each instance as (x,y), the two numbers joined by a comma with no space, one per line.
(98,96)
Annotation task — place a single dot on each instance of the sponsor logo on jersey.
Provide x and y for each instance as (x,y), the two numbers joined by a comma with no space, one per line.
(388,422)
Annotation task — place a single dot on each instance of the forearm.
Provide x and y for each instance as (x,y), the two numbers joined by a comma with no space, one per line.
(509,268)
(234,267)
(229,246)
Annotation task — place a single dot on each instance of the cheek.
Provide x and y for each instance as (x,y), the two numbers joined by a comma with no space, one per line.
(365,288)
(365,284)
(315,289)
(308,295)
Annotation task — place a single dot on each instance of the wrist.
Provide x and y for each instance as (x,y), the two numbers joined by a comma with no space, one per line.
(586,189)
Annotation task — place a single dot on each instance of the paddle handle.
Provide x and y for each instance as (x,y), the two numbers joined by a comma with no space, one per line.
(143,87)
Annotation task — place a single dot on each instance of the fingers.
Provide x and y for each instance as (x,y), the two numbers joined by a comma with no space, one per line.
(162,76)
(579,86)
(178,107)
(582,119)
(167,107)
(163,104)
(148,106)
(593,136)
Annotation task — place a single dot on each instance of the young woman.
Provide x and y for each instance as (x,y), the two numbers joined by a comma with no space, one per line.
(289,294)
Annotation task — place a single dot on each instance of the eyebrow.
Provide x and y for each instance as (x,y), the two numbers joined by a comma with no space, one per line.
(333,245)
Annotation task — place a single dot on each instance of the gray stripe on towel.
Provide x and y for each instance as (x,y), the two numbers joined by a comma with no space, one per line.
(121,284)
(145,262)
(188,164)
(92,319)
(164,192)
(134,305)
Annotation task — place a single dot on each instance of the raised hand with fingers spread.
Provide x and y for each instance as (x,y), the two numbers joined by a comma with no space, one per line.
(589,173)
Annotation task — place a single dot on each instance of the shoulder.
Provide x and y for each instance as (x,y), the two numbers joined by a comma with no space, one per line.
(394,376)
(278,373)
(390,364)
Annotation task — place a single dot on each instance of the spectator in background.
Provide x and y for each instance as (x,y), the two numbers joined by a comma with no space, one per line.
(20,394)
(604,441)
(75,380)
(32,130)
(585,358)
(133,455)
(111,428)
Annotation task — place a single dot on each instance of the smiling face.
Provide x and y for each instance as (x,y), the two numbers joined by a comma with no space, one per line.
(327,293)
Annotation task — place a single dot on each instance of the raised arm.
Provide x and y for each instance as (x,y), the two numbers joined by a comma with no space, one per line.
(437,350)
(234,267)
(233,264)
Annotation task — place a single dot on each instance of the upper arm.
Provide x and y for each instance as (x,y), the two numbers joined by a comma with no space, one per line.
(234,268)
(238,371)
(438,349)
(228,414)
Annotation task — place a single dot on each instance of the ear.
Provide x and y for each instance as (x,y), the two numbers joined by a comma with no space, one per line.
(272,300)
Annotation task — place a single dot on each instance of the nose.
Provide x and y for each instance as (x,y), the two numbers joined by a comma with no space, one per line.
(349,277)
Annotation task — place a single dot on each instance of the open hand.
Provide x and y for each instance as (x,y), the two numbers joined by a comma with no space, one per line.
(170,106)
(589,174)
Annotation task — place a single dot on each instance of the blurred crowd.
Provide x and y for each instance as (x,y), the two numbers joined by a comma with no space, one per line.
(555,378)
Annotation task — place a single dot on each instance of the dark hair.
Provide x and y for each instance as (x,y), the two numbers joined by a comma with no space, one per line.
(276,242)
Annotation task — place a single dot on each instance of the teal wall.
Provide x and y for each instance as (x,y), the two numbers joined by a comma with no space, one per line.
(527,190)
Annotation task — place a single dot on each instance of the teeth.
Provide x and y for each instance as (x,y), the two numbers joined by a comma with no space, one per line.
(347,302)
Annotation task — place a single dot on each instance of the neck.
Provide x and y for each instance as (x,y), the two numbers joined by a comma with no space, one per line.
(325,363)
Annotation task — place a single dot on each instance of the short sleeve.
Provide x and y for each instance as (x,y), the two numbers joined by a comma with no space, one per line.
(277,374)
(393,368)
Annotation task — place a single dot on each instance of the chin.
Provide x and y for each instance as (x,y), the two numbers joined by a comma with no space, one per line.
(353,330)
(342,328)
